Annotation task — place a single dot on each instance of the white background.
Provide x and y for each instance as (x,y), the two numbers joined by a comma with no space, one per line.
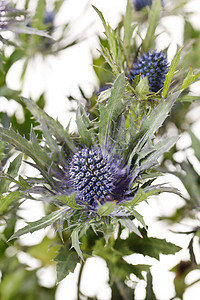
(60,76)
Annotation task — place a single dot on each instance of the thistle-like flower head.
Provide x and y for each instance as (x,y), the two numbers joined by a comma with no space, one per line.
(154,65)
(97,177)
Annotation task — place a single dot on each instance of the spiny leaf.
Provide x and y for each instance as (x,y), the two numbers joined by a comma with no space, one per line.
(151,124)
(190,78)
(9,199)
(110,112)
(39,224)
(171,72)
(109,33)
(84,126)
(20,143)
(127,223)
(55,128)
(66,262)
(75,242)
(12,173)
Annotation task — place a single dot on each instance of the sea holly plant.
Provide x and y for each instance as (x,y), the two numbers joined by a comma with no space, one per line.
(94,178)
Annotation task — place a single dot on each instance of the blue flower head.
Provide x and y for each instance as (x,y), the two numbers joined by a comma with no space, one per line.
(140,4)
(154,65)
(97,177)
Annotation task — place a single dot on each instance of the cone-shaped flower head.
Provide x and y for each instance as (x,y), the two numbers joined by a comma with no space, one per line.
(97,177)
(154,65)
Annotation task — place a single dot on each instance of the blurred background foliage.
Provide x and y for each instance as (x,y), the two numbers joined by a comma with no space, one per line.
(142,30)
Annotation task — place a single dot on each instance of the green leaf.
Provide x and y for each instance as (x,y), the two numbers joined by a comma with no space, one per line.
(9,199)
(127,223)
(139,217)
(84,126)
(148,245)
(20,143)
(149,289)
(55,128)
(190,78)
(142,88)
(69,200)
(11,172)
(160,148)
(39,224)
(66,262)
(128,28)
(109,33)
(110,112)
(151,124)
(75,242)
(106,209)
(153,22)
(171,72)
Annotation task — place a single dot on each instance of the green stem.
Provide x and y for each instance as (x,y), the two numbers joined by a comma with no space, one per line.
(79,279)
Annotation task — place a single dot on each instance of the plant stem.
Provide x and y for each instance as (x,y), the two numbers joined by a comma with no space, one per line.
(79,279)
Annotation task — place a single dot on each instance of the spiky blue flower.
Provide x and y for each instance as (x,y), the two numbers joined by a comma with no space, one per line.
(154,65)
(97,177)
(140,4)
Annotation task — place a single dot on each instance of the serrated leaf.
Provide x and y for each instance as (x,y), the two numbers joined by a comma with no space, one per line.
(151,124)
(75,242)
(160,148)
(171,72)
(109,33)
(190,78)
(110,112)
(11,173)
(127,223)
(66,262)
(149,246)
(139,217)
(106,209)
(20,143)
(39,224)
(54,126)
(10,198)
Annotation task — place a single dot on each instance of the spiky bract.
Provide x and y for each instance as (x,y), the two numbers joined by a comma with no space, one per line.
(154,65)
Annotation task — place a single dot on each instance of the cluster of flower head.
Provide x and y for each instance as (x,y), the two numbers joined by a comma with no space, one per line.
(97,178)
(154,65)
(140,4)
